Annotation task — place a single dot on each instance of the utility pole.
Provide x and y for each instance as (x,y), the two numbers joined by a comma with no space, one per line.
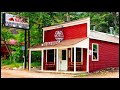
(25,48)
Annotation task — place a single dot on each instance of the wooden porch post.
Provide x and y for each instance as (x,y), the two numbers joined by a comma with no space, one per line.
(29,60)
(74,59)
(42,55)
(57,60)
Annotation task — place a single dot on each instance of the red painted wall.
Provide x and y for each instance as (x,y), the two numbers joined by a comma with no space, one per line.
(71,32)
(108,55)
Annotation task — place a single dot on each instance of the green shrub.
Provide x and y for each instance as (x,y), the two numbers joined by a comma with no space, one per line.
(10,64)
(35,64)
(16,64)
(5,62)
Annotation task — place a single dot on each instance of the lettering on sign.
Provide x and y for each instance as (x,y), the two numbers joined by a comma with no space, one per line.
(15,21)
(50,43)
(59,35)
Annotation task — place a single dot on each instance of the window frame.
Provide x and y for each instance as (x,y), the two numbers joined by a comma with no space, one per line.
(72,54)
(97,52)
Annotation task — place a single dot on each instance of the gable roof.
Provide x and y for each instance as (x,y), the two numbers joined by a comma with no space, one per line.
(104,36)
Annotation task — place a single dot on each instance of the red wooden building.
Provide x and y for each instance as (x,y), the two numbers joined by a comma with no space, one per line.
(72,46)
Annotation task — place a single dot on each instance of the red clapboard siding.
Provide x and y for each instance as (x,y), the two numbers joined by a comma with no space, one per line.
(108,55)
(71,32)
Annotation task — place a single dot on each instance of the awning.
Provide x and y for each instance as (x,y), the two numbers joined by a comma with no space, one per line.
(78,42)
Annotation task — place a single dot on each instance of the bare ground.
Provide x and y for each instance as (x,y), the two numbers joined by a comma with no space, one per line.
(30,74)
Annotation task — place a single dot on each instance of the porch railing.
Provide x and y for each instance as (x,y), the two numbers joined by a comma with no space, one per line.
(78,66)
(50,66)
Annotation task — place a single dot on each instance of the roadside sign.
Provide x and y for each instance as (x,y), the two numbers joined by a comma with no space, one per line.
(23,47)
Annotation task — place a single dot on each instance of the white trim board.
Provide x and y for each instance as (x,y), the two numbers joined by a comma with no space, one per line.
(83,44)
(67,24)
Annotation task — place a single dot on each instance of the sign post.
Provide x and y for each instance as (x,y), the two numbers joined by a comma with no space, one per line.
(28,46)
(15,21)
(25,47)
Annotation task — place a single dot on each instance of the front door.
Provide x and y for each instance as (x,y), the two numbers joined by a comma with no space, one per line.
(63,60)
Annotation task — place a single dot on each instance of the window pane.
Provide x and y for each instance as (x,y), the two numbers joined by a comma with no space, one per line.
(50,55)
(94,47)
(72,54)
(63,54)
(78,54)
(94,55)
(95,51)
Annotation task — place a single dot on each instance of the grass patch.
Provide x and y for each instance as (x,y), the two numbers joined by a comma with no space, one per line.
(83,74)
(9,64)
(17,64)
(35,64)
(5,62)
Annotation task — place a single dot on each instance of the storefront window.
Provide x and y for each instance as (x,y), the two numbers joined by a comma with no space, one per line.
(50,55)
(63,54)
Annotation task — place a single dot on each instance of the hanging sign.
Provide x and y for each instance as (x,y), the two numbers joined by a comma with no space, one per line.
(15,21)
(59,35)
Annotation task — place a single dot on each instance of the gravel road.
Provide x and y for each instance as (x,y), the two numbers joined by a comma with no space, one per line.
(30,74)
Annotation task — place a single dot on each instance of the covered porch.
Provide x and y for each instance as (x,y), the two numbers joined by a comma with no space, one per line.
(68,55)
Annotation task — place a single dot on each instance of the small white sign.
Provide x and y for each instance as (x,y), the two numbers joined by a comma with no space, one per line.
(23,47)
(59,35)
(16,21)
(90,52)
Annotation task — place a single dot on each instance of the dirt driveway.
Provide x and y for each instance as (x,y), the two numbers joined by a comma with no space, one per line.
(30,74)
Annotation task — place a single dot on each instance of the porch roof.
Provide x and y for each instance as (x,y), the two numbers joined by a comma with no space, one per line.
(64,43)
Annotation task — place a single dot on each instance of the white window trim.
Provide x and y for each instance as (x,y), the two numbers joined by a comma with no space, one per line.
(97,52)
(54,55)
(71,54)
(43,35)
(66,55)
(46,56)
(81,54)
